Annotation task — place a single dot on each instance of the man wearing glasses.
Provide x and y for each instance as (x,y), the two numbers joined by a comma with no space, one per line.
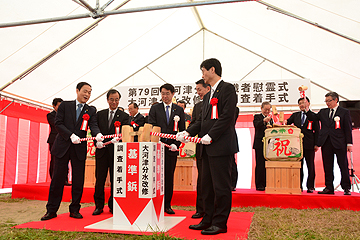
(335,137)
(104,155)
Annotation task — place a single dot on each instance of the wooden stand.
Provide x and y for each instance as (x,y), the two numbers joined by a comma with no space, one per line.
(283,177)
(185,176)
(90,174)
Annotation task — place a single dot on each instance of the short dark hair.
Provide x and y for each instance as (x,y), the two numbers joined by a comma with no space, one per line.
(135,105)
(183,102)
(169,87)
(212,62)
(201,81)
(112,91)
(265,103)
(56,101)
(304,99)
(81,84)
(333,95)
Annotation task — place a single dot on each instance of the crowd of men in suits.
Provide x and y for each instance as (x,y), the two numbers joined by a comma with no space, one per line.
(213,120)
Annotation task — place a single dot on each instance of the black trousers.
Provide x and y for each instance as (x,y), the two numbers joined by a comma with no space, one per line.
(199,197)
(216,188)
(58,181)
(170,165)
(52,162)
(327,152)
(234,173)
(260,171)
(103,165)
(309,155)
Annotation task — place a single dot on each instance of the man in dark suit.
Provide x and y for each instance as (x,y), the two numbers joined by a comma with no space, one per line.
(182,104)
(71,121)
(260,122)
(164,115)
(201,88)
(234,170)
(104,155)
(310,129)
(335,137)
(53,132)
(136,119)
(216,127)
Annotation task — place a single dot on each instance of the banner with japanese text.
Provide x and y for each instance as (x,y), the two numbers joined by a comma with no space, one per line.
(250,93)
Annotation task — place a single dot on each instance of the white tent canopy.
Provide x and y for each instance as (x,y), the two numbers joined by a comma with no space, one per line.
(152,47)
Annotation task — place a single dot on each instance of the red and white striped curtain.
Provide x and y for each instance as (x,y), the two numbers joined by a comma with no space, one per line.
(24,152)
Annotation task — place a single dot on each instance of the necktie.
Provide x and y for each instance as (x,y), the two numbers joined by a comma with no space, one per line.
(167,114)
(110,118)
(302,118)
(78,111)
(332,114)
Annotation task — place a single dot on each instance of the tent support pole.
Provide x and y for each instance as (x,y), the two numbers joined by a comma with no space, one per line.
(114,12)
(279,10)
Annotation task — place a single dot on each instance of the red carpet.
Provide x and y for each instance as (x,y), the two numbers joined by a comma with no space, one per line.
(238,225)
(241,198)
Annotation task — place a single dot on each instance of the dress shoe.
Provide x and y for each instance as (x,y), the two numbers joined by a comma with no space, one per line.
(347,192)
(200,226)
(98,211)
(48,216)
(260,189)
(197,215)
(67,183)
(310,190)
(169,211)
(213,230)
(326,191)
(111,211)
(76,215)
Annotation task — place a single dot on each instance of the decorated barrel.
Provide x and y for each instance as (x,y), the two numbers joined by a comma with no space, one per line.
(283,143)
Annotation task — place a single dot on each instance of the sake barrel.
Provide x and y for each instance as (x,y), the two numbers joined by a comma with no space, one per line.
(283,143)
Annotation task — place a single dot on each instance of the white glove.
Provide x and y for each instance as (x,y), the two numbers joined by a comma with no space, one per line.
(99,145)
(74,139)
(173,148)
(99,137)
(180,136)
(115,140)
(206,140)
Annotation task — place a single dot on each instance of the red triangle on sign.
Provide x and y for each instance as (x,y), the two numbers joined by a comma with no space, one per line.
(157,201)
(131,208)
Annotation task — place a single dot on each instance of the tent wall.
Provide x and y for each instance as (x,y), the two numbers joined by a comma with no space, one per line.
(24,152)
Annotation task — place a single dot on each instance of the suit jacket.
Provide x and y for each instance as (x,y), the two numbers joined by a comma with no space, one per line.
(66,124)
(310,135)
(221,130)
(138,119)
(339,137)
(196,115)
(260,128)
(157,117)
(102,118)
(53,132)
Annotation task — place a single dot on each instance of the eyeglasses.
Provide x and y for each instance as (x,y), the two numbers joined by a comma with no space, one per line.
(113,100)
(327,101)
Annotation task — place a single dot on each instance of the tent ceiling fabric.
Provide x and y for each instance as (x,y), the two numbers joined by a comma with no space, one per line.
(168,45)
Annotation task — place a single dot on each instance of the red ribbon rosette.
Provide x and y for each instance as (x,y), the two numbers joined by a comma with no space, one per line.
(84,124)
(117,125)
(309,127)
(214,111)
(134,124)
